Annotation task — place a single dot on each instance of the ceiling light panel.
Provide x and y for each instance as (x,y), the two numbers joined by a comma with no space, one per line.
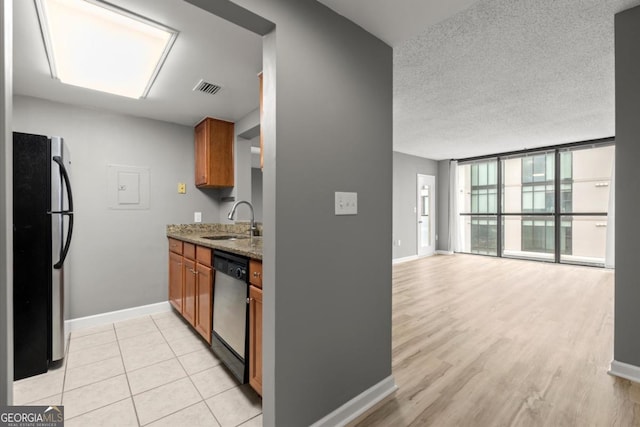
(99,46)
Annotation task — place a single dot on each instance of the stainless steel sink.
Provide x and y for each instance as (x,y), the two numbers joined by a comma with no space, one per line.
(225,237)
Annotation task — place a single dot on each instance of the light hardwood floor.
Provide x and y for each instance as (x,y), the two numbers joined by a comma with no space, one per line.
(481,341)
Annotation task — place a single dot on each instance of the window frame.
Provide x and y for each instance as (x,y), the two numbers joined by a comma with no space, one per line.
(562,187)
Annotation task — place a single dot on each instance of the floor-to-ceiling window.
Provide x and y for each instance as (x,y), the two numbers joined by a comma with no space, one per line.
(480,182)
(548,205)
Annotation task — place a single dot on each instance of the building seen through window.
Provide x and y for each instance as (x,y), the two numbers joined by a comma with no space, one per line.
(513,198)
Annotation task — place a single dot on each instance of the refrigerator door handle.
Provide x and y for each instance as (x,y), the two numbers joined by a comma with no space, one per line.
(69,212)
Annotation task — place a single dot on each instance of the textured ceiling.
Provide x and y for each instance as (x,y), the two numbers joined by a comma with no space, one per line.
(396,21)
(506,75)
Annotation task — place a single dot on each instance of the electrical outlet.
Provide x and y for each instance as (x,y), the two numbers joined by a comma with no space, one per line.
(197,217)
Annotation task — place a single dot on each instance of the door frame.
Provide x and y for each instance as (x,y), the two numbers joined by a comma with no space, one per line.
(429,180)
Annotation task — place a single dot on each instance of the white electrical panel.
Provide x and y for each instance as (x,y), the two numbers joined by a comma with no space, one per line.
(346,203)
(128,187)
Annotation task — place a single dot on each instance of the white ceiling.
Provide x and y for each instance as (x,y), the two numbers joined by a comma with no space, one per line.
(396,21)
(207,47)
(470,77)
(501,75)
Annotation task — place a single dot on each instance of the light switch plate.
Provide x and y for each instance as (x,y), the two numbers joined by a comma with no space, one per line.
(197,217)
(346,203)
(182,188)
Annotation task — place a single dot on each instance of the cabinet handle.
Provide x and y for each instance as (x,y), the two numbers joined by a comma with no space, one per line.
(256,274)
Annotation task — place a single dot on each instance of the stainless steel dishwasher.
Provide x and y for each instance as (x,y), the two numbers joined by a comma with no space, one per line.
(229,339)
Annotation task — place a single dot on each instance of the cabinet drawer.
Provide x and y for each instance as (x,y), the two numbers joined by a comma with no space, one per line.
(175,246)
(255,273)
(189,250)
(203,256)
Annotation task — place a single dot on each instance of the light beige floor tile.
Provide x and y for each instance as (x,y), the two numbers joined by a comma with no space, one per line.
(169,313)
(141,342)
(177,333)
(253,422)
(51,400)
(35,388)
(95,372)
(164,400)
(155,375)
(91,355)
(128,330)
(120,414)
(168,320)
(197,415)
(199,361)
(94,396)
(180,333)
(132,322)
(213,381)
(92,330)
(92,340)
(187,345)
(235,406)
(136,359)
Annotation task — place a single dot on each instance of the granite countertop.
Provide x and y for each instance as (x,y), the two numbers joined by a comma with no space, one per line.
(194,233)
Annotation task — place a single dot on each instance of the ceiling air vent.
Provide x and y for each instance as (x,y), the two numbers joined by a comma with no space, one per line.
(207,87)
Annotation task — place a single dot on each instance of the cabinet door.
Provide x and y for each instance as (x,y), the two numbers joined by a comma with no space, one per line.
(255,339)
(261,122)
(214,153)
(202,153)
(255,273)
(175,280)
(204,282)
(189,301)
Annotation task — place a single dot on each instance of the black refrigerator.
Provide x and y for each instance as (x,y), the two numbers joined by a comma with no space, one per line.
(42,229)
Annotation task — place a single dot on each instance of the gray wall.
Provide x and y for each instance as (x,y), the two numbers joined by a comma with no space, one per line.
(405,190)
(327,279)
(443,206)
(6,206)
(242,169)
(118,258)
(627,299)
(256,192)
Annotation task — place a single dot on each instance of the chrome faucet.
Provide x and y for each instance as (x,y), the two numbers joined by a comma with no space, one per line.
(252,229)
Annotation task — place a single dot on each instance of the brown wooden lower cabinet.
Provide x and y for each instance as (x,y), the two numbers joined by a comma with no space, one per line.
(189,296)
(204,291)
(176,280)
(191,284)
(255,338)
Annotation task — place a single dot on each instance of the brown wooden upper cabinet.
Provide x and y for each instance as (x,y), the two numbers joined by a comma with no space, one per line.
(261,124)
(214,153)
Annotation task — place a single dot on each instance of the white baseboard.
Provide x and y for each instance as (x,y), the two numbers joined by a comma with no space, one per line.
(444,252)
(114,316)
(625,370)
(404,259)
(359,404)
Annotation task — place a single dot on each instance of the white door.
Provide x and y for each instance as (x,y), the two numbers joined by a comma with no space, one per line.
(426,215)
